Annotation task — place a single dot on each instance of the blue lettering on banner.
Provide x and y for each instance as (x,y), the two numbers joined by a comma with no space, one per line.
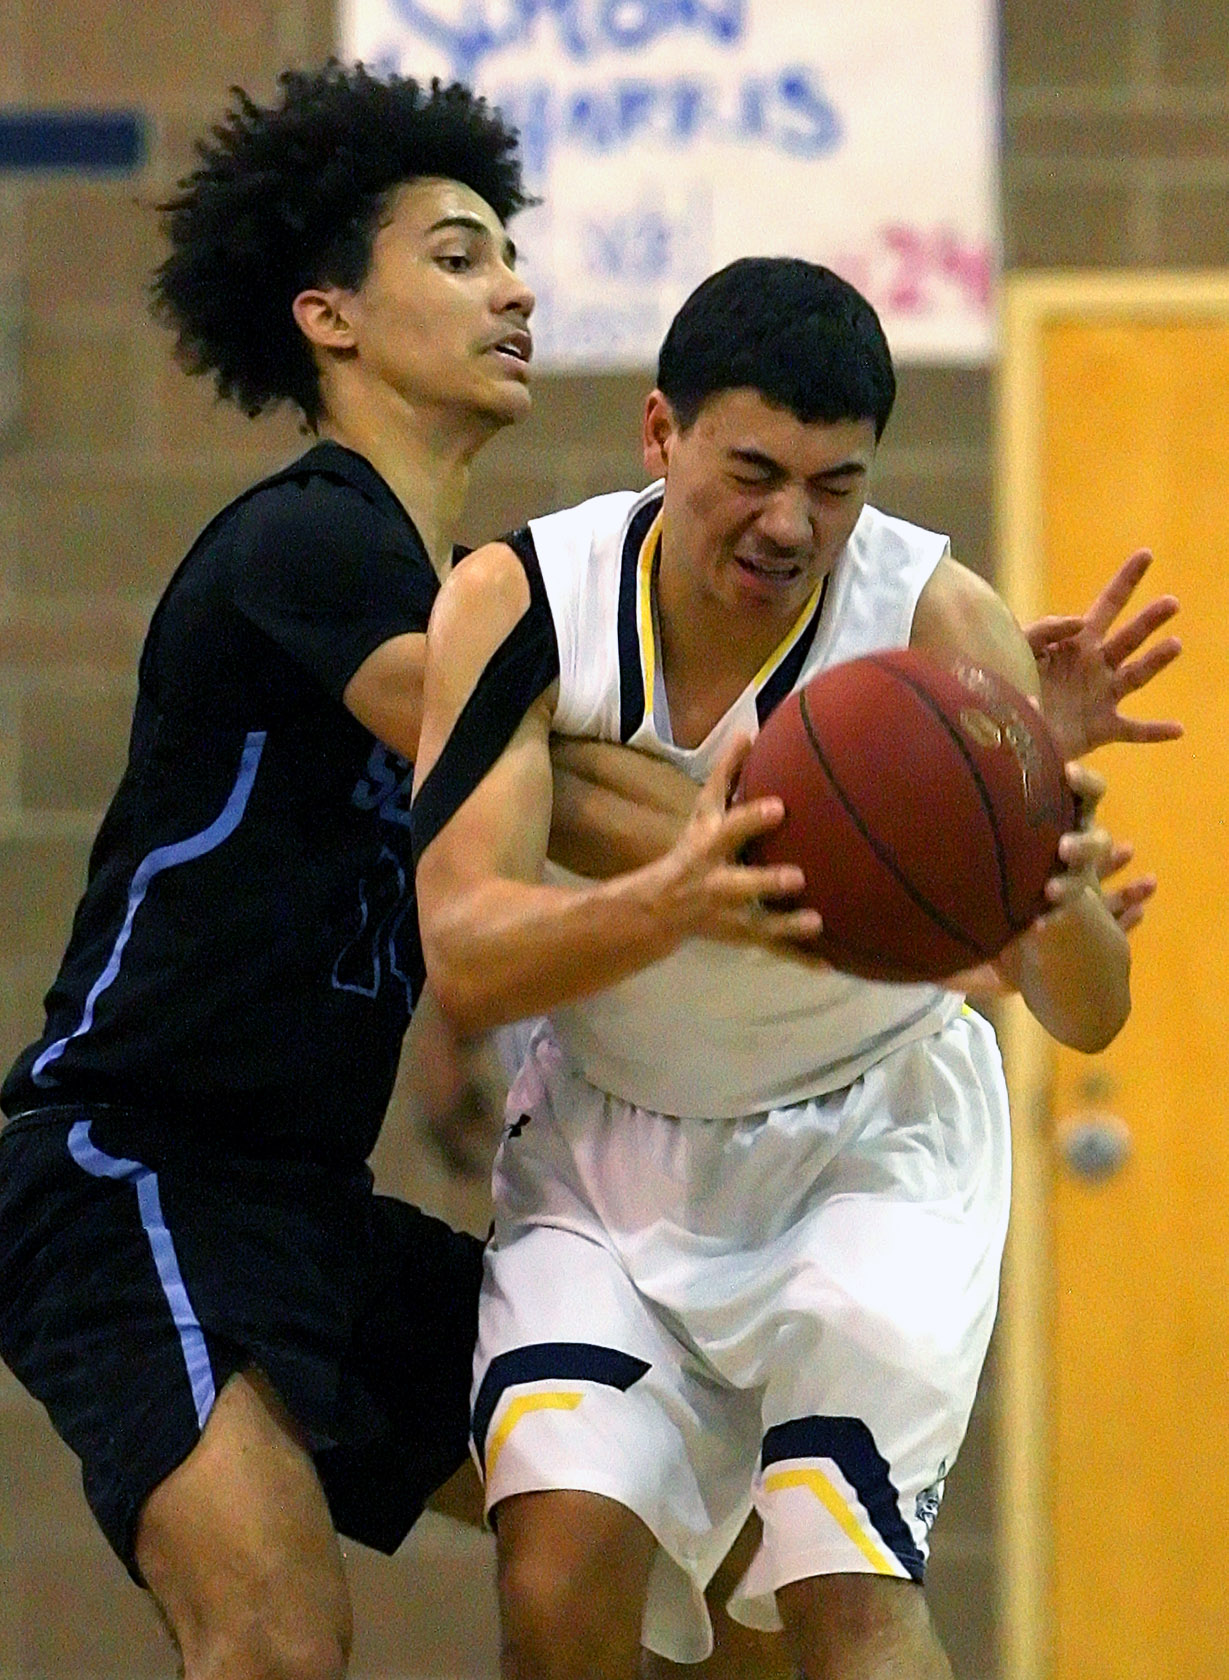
(584,30)
(788,111)
(636,246)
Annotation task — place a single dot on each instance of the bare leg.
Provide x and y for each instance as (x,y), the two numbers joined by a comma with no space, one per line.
(739,1653)
(573,1572)
(240,1553)
(460,1497)
(861,1627)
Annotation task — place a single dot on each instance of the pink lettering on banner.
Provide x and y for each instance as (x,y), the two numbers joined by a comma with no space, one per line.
(918,271)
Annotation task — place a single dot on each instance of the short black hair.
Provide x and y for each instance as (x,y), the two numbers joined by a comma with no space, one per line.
(291,195)
(797,333)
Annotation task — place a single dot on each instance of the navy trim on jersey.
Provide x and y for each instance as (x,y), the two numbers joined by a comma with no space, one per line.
(547,1362)
(631,671)
(523,667)
(851,1447)
(162,857)
(187,1326)
(782,680)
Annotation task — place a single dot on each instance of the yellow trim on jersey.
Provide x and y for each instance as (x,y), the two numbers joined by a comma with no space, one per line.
(832,1501)
(644,620)
(521,1407)
(782,650)
(644,616)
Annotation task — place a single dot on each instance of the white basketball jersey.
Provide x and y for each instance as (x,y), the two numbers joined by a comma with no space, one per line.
(714,1031)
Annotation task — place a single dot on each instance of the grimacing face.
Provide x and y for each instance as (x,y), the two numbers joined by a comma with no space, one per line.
(442,316)
(758,503)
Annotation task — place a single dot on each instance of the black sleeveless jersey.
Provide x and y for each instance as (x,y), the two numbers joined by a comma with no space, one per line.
(245,957)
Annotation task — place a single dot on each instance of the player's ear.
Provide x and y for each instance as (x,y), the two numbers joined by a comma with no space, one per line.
(660,429)
(322,316)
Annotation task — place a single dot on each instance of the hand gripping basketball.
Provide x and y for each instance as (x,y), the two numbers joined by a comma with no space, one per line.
(710,892)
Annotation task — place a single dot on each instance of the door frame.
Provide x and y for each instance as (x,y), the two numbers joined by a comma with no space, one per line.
(1031,303)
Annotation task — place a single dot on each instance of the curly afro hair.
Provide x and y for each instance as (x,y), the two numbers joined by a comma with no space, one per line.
(291,195)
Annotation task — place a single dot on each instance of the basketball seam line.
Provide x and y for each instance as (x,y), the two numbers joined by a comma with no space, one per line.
(1000,852)
(885,857)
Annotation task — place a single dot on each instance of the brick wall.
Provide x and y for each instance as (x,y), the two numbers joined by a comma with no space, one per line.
(1116,126)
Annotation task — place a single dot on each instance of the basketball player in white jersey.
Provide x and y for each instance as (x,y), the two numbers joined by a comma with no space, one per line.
(749,1212)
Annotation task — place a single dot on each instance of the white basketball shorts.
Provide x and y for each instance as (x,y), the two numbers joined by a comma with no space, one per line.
(789,1309)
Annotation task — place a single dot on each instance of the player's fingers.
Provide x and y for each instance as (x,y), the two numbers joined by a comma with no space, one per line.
(1135,892)
(1046,632)
(1060,889)
(742,823)
(1136,731)
(1136,631)
(742,883)
(790,927)
(719,785)
(1090,849)
(723,777)
(789,932)
(1120,855)
(1135,673)
(1088,787)
(1128,920)
(1118,591)
(1128,904)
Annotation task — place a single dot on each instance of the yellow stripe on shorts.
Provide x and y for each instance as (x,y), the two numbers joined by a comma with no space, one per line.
(832,1501)
(521,1407)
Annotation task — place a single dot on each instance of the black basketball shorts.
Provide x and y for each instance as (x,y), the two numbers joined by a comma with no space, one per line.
(137,1276)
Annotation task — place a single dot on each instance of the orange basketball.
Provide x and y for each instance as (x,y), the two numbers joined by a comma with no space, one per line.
(924,807)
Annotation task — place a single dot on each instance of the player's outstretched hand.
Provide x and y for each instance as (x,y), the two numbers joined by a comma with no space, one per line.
(1086,669)
(708,892)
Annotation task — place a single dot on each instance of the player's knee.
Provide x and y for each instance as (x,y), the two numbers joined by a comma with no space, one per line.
(557,1624)
(248,1634)
(834,1619)
(319,1653)
(542,1624)
(259,1648)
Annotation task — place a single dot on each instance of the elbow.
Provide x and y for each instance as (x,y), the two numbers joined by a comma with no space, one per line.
(457,959)
(1091,1037)
(462,998)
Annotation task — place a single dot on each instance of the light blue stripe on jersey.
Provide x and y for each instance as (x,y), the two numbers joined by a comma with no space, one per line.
(163,857)
(145,1181)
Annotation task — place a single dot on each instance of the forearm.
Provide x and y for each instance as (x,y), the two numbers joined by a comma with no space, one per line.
(505,950)
(1073,971)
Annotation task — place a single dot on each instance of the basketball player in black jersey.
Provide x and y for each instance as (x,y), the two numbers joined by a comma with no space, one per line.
(248,1351)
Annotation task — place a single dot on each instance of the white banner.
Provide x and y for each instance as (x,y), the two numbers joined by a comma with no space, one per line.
(667,137)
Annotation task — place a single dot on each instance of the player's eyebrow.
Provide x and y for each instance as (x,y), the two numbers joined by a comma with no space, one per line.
(756,458)
(474,224)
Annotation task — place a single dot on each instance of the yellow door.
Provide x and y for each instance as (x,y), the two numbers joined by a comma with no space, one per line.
(1117,437)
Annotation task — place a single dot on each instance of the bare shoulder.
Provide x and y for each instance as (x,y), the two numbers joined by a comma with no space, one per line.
(487,588)
(960,615)
(481,604)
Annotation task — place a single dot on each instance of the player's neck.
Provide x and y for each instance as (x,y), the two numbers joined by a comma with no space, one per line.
(708,657)
(423,457)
